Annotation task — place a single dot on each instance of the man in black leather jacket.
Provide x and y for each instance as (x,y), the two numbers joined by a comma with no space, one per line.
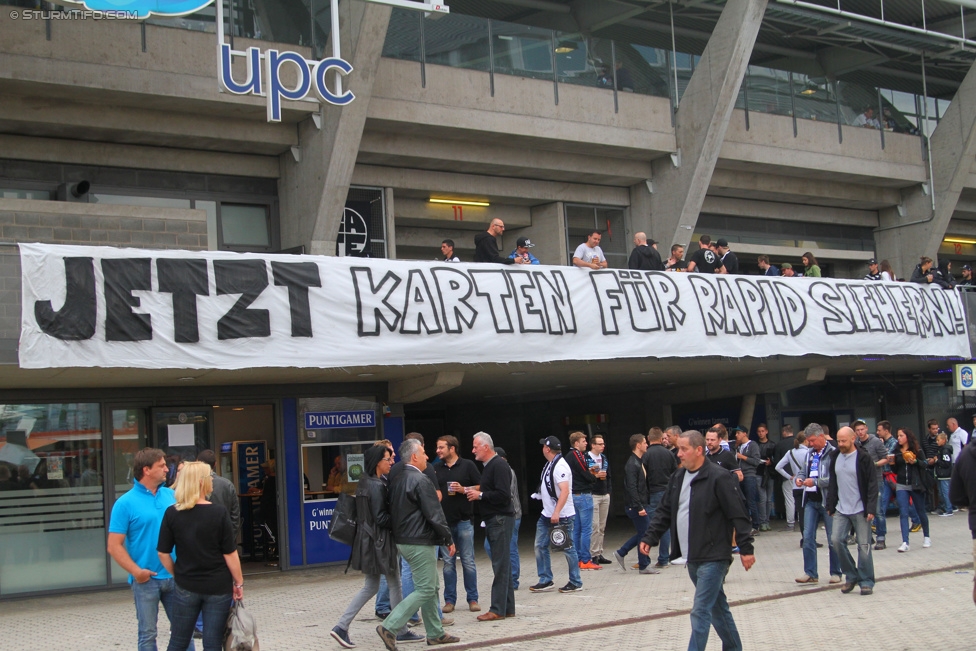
(419,527)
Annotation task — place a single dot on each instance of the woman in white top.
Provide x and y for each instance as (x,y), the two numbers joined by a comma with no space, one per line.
(791,463)
(887,273)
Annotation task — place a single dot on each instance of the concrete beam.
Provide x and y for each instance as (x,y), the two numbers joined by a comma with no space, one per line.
(794,189)
(701,122)
(313,190)
(789,211)
(83,152)
(918,227)
(421,388)
(763,383)
(495,188)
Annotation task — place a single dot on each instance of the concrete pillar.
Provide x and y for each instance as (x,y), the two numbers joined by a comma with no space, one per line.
(313,190)
(547,232)
(680,181)
(914,229)
(747,410)
(391,251)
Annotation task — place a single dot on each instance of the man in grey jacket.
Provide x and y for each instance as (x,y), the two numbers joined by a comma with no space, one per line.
(224,492)
(747,454)
(814,479)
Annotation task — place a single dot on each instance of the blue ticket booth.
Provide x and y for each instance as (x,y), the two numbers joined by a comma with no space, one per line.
(324,443)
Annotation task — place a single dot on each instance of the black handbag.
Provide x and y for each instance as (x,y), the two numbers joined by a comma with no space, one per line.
(559,537)
(343,526)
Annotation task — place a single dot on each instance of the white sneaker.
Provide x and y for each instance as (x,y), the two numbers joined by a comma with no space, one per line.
(904,547)
(681,560)
(927,542)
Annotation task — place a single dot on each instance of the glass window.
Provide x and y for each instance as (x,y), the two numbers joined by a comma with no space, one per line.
(522,50)
(52,511)
(245,225)
(403,35)
(128,437)
(12,193)
(583,220)
(457,40)
(330,455)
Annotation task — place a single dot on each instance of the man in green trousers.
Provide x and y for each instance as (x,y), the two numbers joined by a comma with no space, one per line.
(419,528)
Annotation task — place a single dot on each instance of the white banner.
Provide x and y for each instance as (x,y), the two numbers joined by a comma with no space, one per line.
(107,307)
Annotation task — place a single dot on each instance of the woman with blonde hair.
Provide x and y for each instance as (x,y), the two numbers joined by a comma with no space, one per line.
(207,569)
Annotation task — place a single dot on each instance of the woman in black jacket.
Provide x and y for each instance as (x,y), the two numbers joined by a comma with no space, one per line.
(373,550)
(909,466)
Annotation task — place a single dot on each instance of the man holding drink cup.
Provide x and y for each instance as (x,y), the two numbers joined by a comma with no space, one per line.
(452,477)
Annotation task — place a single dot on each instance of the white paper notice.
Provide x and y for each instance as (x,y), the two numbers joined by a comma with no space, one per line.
(180,436)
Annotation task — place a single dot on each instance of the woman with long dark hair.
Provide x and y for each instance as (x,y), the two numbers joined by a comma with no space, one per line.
(373,550)
(909,464)
(812,268)
(207,569)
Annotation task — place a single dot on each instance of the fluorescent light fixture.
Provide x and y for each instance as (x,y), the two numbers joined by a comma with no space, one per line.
(365,375)
(565,47)
(808,91)
(517,373)
(460,202)
(958,240)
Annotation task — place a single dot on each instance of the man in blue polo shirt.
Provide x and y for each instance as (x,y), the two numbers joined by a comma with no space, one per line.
(133,533)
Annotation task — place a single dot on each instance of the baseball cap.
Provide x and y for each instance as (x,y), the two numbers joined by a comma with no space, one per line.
(872,261)
(967,267)
(524,241)
(552,443)
(722,242)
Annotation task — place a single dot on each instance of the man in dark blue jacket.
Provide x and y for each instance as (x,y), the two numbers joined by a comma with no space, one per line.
(962,490)
(702,508)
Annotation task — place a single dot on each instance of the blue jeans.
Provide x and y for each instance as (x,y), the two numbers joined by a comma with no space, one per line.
(543,564)
(583,528)
(664,551)
(147,597)
(463,535)
(513,552)
(711,608)
(187,605)
(863,573)
(750,488)
(640,525)
(813,513)
(918,501)
(944,495)
(880,518)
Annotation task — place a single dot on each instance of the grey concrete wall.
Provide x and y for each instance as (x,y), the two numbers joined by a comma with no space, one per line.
(55,222)
(547,232)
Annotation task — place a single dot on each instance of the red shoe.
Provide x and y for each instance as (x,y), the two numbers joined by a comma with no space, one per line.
(590,565)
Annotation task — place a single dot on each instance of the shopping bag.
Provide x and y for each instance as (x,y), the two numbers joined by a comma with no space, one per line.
(242,633)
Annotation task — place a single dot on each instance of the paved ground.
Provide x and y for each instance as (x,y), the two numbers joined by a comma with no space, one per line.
(923,600)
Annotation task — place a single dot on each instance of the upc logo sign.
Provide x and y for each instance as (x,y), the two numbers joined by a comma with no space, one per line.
(146,8)
(311,77)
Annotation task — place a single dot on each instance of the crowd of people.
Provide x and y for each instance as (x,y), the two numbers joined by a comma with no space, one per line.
(714,257)
(700,498)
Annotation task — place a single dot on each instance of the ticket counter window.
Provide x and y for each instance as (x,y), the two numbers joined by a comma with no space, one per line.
(335,434)
(52,510)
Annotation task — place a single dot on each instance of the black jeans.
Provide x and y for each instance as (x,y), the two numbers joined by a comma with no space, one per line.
(499,529)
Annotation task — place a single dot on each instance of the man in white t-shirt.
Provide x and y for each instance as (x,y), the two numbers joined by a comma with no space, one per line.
(554,491)
(589,255)
(958,437)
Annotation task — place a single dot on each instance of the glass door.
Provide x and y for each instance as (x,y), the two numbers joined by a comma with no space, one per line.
(128,425)
(182,433)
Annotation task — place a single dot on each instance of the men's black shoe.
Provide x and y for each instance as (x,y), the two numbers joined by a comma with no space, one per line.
(542,587)
(571,587)
(879,545)
(380,615)
(819,545)
(602,561)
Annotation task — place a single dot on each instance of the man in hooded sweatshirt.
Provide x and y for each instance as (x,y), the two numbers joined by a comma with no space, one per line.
(644,257)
